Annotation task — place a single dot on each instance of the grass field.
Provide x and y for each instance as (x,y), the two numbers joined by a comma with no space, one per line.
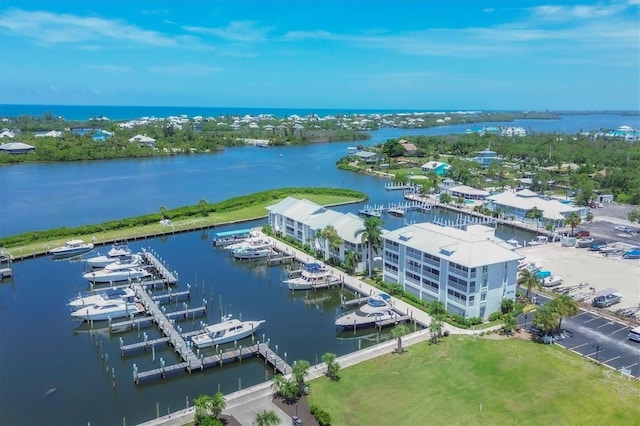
(255,211)
(464,381)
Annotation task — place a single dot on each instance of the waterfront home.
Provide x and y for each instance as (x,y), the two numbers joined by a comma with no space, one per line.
(367,156)
(143,140)
(519,204)
(16,148)
(6,133)
(467,192)
(49,134)
(436,167)
(408,148)
(486,157)
(304,221)
(471,271)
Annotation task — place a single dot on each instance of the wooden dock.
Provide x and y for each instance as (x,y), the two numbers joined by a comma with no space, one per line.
(159,267)
(393,321)
(150,319)
(352,302)
(216,360)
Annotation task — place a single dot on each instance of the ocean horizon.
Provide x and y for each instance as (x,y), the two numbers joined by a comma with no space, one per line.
(127,112)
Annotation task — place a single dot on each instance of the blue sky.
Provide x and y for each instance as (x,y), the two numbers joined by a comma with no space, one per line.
(505,54)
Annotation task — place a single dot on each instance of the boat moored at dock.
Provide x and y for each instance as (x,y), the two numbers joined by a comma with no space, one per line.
(71,248)
(116,252)
(227,331)
(112,310)
(314,275)
(377,311)
(102,298)
(115,273)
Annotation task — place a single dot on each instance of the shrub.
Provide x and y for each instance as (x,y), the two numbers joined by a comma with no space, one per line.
(324,419)
(494,316)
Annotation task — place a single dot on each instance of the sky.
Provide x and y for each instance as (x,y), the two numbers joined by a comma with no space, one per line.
(410,55)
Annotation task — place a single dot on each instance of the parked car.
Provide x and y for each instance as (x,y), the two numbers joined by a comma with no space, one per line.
(582,234)
(625,229)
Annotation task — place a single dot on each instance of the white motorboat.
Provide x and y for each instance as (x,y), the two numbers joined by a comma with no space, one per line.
(228,330)
(248,242)
(115,273)
(111,257)
(71,248)
(103,298)
(112,310)
(253,252)
(551,281)
(396,211)
(313,275)
(515,243)
(119,249)
(377,309)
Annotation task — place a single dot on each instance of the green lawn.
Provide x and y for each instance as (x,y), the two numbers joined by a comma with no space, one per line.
(255,211)
(514,380)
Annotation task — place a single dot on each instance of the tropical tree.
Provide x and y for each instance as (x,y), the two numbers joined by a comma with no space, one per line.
(534,214)
(528,280)
(398,332)
(546,319)
(334,241)
(332,365)
(350,262)
(565,306)
(508,323)
(436,308)
(435,328)
(163,211)
(573,220)
(445,198)
(287,388)
(300,369)
(633,216)
(203,205)
(267,418)
(209,406)
(371,237)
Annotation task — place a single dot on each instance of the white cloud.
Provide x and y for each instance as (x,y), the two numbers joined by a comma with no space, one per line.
(238,31)
(193,70)
(108,68)
(47,28)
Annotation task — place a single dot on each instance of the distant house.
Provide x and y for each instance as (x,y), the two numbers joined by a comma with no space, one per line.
(101,135)
(81,131)
(143,140)
(468,193)
(408,147)
(436,167)
(6,133)
(16,148)
(49,134)
(487,157)
(368,156)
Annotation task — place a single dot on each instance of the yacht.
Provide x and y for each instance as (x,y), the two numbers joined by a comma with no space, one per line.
(103,298)
(117,272)
(71,248)
(313,275)
(116,252)
(112,310)
(228,330)
(253,251)
(377,309)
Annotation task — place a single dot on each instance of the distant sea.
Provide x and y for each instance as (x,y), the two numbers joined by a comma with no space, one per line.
(85,112)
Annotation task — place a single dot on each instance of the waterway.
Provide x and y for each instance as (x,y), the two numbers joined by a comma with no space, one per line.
(54,371)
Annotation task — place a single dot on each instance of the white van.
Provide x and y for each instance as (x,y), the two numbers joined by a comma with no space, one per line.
(634,334)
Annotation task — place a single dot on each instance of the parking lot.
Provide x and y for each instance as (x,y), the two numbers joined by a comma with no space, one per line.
(597,338)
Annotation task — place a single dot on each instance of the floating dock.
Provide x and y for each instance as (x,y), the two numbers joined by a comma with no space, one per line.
(218,360)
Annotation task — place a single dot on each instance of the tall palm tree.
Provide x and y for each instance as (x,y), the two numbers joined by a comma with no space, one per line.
(371,237)
(508,323)
(546,319)
(565,306)
(350,261)
(163,212)
(398,332)
(300,369)
(528,280)
(267,418)
(332,238)
(332,365)
(435,328)
(573,220)
(218,403)
(209,406)
(203,205)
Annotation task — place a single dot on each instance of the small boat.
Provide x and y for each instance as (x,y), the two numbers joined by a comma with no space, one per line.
(551,281)
(248,242)
(396,211)
(112,310)
(631,254)
(541,240)
(226,331)
(312,276)
(253,251)
(606,300)
(102,298)
(377,309)
(584,242)
(71,248)
(514,243)
(117,272)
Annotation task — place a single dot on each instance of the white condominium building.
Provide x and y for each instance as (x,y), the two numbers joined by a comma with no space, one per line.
(470,271)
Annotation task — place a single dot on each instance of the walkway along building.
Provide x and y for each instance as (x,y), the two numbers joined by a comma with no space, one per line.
(303,220)
(470,270)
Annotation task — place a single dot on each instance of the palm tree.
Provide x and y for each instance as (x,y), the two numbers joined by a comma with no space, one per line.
(300,369)
(163,212)
(332,365)
(573,220)
(209,406)
(371,237)
(203,205)
(536,214)
(546,319)
(398,332)
(332,238)
(267,418)
(350,261)
(435,328)
(528,280)
(218,403)
(564,305)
